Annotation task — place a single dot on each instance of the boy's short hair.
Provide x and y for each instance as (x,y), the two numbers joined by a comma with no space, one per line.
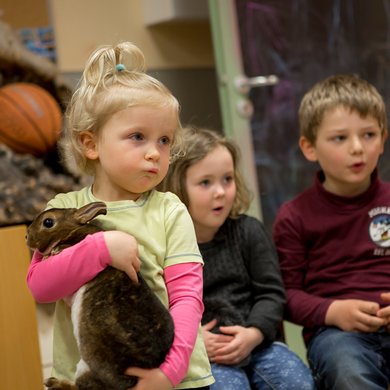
(349,91)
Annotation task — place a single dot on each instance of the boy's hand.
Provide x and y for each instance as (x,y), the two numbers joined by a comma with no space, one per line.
(123,250)
(385,311)
(354,315)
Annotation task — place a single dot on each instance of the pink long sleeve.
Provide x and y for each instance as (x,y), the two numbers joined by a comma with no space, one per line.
(185,287)
(61,275)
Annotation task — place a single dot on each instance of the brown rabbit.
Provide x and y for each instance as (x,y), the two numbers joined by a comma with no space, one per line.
(117,322)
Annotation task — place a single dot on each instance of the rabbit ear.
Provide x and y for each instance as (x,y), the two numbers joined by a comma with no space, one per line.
(90,211)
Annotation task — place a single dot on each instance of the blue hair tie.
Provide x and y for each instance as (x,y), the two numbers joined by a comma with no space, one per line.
(120,67)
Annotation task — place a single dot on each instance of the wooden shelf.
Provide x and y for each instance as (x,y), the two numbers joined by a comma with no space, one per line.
(20,362)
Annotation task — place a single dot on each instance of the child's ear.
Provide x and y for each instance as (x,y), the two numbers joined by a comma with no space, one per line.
(385,135)
(89,144)
(384,138)
(308,149)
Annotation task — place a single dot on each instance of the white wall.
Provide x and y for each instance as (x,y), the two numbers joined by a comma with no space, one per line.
(82,25)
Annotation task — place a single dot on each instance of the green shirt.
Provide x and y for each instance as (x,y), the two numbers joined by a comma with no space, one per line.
(165,234)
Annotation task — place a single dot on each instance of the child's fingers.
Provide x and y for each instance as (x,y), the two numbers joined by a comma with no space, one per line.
(210,325)
(135,371)
(384,312)
(367,307)
(386,297)
(132,274)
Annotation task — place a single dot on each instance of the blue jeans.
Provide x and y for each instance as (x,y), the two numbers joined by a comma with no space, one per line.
(273,368)
(350,361)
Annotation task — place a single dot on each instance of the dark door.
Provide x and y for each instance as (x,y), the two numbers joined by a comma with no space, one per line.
(303,41)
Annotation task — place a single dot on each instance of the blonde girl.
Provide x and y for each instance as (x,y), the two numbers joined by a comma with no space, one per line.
(123,129)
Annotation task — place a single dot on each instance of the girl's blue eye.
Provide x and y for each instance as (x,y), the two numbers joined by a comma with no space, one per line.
(165,141)
(137,137)
(370,134)
(339,138)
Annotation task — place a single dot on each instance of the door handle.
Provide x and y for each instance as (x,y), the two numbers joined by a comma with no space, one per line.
(244,84)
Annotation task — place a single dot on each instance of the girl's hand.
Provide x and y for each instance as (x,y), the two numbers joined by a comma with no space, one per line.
(242,343)
(212,341)
(354,315)
(149,379)
(123,250)
(385,311)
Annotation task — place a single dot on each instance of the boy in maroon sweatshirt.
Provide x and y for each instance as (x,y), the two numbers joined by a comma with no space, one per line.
(333,240)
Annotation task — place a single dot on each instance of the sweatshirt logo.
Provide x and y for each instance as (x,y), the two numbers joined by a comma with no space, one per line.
(379,229)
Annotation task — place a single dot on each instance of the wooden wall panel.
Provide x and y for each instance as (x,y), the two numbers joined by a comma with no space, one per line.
(20,362)
(24,13)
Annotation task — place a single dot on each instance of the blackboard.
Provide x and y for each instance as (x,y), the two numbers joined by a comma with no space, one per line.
(302,42)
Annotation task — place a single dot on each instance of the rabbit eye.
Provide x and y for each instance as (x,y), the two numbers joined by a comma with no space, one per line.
(48,222)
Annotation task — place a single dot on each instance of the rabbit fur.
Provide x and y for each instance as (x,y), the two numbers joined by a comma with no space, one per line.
(117,323)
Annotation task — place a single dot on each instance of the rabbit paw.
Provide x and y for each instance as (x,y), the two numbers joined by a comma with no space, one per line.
(53,383)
